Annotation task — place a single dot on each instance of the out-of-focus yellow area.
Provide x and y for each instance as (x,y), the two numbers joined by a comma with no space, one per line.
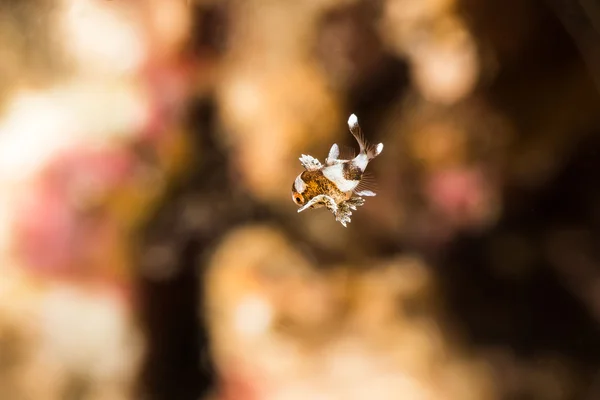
(150,249)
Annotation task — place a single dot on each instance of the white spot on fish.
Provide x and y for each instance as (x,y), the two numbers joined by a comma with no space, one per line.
(299,184)
(335,174)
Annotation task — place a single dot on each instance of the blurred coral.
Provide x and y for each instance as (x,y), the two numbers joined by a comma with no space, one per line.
(60,340)
(274,99)
(285,329)
(440,49)
(76,188)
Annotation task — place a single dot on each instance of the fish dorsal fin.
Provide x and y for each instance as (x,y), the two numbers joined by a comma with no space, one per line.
(310,163)
(347,152)
(340,154)
(333,156)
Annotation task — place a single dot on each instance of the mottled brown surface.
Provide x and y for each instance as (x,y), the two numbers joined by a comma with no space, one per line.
(352,172)
(317,184)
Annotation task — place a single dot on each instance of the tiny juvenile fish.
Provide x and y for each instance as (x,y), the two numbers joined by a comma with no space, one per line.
(336,185)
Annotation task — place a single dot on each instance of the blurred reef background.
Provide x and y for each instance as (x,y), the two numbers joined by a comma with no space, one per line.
(150,249)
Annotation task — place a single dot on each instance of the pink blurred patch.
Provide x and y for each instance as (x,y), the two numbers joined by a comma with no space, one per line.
(460,195)
(169,87)
(236,385)
(45,230)
(100,168)
(52,233)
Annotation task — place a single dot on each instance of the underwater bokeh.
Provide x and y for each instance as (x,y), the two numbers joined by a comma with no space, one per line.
(150,248)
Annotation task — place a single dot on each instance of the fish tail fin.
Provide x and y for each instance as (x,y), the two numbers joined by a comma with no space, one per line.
(374,151)
(370,150)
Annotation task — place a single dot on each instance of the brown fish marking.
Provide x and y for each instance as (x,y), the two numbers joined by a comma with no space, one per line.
(352,172)
(317,184)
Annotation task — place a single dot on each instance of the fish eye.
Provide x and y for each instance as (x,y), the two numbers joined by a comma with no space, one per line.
(298,199)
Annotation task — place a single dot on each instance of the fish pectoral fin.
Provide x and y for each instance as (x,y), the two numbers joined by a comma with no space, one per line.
(306,206)
(310,163)
(321,200)
(367,184)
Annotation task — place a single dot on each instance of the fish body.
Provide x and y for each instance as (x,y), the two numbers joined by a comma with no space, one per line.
(337,184)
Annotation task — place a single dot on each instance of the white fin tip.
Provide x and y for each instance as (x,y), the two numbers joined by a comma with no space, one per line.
(352,121)
(379,148)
